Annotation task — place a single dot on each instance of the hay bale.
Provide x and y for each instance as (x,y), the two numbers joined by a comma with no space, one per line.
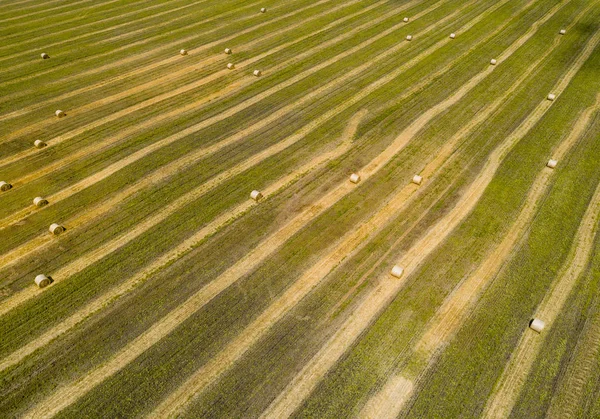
(230,66)
(405,20)
(227,51)
(397,271)
(263,10)
(42,281)
(45,56)
(537,325)
(257,73)
(183,52)
(493,61)
(551,96)
(417,180)
(60,114)
(256,195)
(39,144)
(452,35)
(5,186)
(562,31)
(409,37)
(39,201)
(56,229)
(354,178)
(552,163)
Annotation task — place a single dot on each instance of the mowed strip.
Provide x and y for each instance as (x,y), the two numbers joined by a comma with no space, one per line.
(185,70)
(187,309)
(507,390)
(210,229)
(136,70)
(137,57)
(13,256)
(305,382)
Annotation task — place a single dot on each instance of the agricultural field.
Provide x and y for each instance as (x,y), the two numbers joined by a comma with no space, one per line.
(324,209)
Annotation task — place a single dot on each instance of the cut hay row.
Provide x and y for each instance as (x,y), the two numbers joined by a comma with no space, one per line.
(451,315)
(201,277)
(230,112)
(304,383)
(90,35)
(530,344)
(50,10)
(128,59)
(581,369)
(210,229)
(54,29)
(13,256)
(154,335)
(517,368)
(512,315)
(90,382)
(213,77)
(186,68)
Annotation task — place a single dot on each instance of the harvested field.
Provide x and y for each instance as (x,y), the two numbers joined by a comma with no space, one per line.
(171,292)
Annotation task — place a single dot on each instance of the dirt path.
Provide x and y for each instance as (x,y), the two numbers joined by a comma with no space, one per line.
(303,384)
(502,400)
(131,351)
(174,76)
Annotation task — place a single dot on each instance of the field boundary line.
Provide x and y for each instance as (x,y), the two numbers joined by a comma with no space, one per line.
(305,381)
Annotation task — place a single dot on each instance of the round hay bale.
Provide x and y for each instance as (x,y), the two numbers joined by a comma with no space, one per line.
(227,51)
(354,178)
(417,180)
(397,271)
(552,163)
(56,229)
(551,96)
(493,61)
(562,31)
(39,201)
(405,20)
(60,114)
(256,195)
(409,37)
(45,56)
(537,325)
(257,73)
(42,281)
(263,10)
(183,52)
(5,186)
(452,35)
(39,144)
(230,66)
